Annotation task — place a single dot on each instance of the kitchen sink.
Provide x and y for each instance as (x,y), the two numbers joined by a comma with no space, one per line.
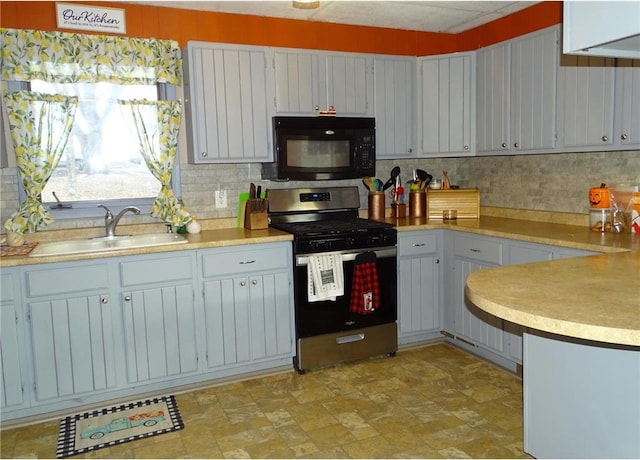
(107,243)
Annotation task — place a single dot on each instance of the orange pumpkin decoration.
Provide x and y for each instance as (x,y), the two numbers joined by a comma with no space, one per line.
(599,197)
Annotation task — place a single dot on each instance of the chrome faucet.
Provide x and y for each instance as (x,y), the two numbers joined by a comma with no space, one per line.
(111,222)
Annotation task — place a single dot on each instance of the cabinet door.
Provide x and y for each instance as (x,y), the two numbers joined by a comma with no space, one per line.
(72,344)
(586,101)
(297,81)
(11,373)
(346,84)
(446,105)
(160,332)
(11,386)
(227,113)
(628,102)
(493,88)
(418,295)
(247,319)
(534,64)
(479,327)
(513,332)
(307,82)
(393,101)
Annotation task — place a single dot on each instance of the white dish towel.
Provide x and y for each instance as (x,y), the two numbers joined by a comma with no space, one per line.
(325,277)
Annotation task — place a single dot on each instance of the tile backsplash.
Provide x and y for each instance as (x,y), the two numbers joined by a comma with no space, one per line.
(549,182)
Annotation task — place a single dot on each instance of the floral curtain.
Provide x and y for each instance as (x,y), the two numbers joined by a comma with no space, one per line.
(40,125)
(62,57)
(157,124)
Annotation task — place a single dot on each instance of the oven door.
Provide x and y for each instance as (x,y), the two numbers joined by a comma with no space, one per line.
(328,316)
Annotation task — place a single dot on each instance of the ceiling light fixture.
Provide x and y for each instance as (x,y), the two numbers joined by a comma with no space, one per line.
(306,4)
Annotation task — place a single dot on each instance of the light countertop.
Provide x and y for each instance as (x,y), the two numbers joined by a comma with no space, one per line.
(595,297)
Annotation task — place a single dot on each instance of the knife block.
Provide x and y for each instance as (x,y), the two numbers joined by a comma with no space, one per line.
(255,220)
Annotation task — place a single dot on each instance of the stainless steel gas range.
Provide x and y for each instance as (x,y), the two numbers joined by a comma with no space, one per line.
(345,275)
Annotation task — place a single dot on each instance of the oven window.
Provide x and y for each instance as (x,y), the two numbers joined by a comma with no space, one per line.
(309,153)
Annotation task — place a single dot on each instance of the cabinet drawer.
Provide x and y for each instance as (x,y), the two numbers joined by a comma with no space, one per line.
(7,293)
(417,243)
(242,261)
(477,249)
(63,280)
(156,270)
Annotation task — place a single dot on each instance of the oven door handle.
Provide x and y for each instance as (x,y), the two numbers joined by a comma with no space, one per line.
(350,256)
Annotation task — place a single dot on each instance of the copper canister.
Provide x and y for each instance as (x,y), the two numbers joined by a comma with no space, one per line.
(417,203)
(376,206)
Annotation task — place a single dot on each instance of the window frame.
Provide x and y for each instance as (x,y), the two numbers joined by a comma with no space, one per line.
(90,209)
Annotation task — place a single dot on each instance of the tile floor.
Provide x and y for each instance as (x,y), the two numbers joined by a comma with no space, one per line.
(431,402)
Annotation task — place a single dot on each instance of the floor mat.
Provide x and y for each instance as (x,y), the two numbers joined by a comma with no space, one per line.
(106,427)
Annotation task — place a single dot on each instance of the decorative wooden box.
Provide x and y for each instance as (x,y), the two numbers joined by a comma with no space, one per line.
(465,201)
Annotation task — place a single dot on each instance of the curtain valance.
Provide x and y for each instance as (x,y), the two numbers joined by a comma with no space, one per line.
(62,57)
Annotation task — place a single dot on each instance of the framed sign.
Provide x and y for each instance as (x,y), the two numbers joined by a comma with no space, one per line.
(96,19)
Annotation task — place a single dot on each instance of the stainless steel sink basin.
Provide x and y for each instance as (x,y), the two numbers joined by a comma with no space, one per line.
(58,248)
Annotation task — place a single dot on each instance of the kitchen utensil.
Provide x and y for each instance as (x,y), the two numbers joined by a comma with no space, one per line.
(379,184)
(445,181)
(252,191)
(424,178)
(369,182)
(395,172)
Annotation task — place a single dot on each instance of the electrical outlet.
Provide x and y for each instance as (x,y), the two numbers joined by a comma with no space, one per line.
(221,199)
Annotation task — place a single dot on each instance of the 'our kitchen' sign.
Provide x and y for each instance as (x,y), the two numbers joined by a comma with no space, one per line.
(97,19)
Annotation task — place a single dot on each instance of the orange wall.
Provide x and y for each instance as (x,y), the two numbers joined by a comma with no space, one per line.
(183,25)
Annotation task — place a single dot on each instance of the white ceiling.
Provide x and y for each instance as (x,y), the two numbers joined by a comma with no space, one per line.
(444,16)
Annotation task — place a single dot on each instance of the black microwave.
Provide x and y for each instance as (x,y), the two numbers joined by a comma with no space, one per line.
(322,148)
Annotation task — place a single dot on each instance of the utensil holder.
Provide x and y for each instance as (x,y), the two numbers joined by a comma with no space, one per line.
(255,214)
(376,209)
(418,204)
(398,209)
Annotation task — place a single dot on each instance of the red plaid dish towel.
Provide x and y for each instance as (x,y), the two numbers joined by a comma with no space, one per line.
(365,291)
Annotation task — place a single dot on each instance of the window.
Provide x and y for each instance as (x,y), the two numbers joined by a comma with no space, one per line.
(101,163)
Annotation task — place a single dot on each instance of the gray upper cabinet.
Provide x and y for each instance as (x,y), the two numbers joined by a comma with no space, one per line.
(309,81)
(446,105)
(599,103)
(394,96)
(586,103)
(517,83)
(492,110)
(627,116)
(226,94)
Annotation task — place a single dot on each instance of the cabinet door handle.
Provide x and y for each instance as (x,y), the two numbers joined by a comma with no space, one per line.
(474,250)
(504,145)
(418,244)
(254,282)
(204,154)
(104,300)
(245,262)
(624,137)
(605,138)
(127,298)
(466,147)
(243,283)
(516,145)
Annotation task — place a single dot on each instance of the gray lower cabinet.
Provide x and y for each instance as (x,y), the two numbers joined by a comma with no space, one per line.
(492,337)
(465,320)
(79,333)
(159,316)
(70,326)
(419,281)
(248,305)
(11,368)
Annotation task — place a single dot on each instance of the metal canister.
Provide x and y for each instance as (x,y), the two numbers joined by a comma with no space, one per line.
(376,210)
(417,203)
